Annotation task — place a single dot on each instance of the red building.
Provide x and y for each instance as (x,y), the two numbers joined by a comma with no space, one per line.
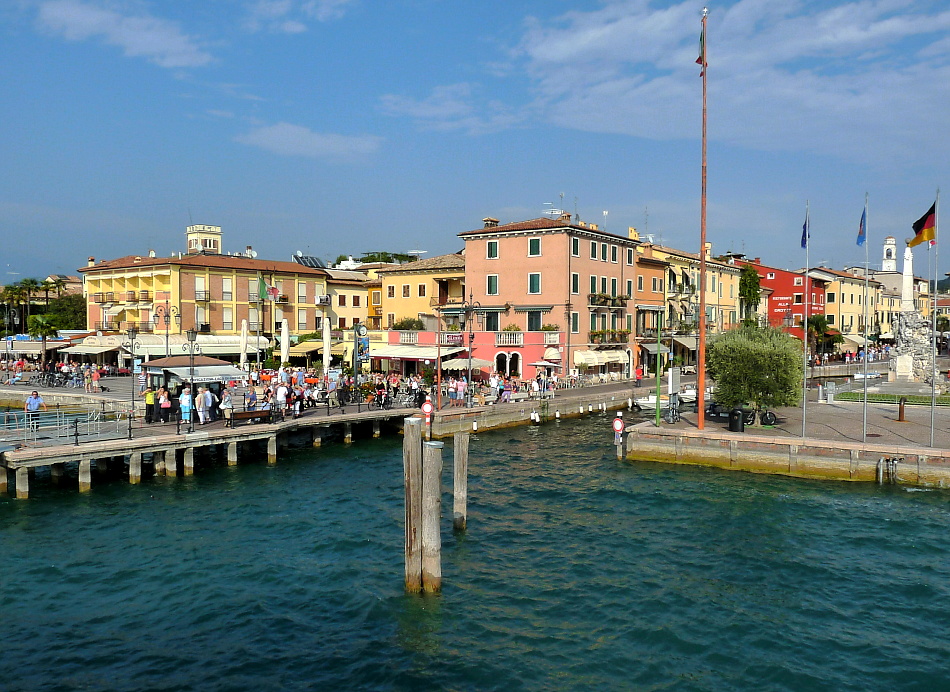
(786,302)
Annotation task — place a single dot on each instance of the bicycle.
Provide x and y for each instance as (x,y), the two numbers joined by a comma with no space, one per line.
(672,413)
(382,401)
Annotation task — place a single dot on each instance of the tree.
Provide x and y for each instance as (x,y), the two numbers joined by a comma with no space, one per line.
(756,365)
(12,296)
(409,324)
(46,286)
(31,287)
(68,312)
(750,293)
(41,326)
(820,334)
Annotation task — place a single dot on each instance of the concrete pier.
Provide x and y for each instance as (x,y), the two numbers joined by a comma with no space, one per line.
(232,453)
(85,475)
(189,461)
(272,451)
(135,468)
(22,483)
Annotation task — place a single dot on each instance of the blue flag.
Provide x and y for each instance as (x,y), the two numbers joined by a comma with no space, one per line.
(805,234)
(863,228)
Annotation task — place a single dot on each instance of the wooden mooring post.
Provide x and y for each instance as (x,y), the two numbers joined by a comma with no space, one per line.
(460,481)
(431,516)
(412,477)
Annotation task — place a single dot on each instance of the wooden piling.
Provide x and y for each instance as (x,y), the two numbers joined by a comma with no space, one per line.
(189,461)
(272,450)
(85,475)
(3,479)
(460,481)
(347,433)
(412,477)
(135,468)
(22,483)
(232,453)
(431,516)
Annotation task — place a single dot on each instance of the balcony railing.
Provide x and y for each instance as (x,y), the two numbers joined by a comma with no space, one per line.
(509,338)
(552,338)
(145,296)
(609,336)
(408,337)
(646,332)
(103,297)
(107,326)
(140,326)
(451,338)
(605,300)
(682,289)
(203,296)
(131,297)
(283,299)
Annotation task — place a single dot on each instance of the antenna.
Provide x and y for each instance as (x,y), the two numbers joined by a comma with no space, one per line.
(605,219)
(646,220)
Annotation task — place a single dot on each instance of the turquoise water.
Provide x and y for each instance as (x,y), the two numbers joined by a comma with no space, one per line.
(578,572)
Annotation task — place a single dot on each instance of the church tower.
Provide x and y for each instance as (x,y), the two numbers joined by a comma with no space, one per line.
(889,261)
(203,239)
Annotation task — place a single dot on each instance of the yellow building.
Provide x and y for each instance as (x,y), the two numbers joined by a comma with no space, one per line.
(349,298)
(416,289)
(846,300)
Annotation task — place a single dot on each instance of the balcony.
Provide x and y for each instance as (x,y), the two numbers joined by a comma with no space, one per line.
(283,300)
(609,336)
(509,338)
(605,300)
(145,296)
(203,296)
(131,297)
(552,338)
(646,332)
(682,289)
(408,337)
(451,338)
(103,297)
(107,326)
(141,327)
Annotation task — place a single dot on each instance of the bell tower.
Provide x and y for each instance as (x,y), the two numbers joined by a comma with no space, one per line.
(889,259)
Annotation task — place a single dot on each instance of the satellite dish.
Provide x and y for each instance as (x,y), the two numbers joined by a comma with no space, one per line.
(299,253)
(253,254)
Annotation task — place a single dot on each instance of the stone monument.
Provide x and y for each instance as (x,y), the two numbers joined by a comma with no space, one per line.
(912,356)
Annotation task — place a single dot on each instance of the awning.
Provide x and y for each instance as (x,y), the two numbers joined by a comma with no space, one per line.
(463,363)
(208,373)
(652,348)
(30,347)
(688,342)
(406,352)
(855,339)
(551,353)
(613,356)
(307,347)
(886,335)
(89,350)
(590,359)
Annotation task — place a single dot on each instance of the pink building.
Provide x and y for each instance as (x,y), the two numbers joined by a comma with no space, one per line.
(552,290)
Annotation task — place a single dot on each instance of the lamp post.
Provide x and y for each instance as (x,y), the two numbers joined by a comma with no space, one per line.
(132,333)
(470,308)
(191,347)
(164,315)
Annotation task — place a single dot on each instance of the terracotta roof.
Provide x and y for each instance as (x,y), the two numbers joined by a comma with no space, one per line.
(541,224)
(453,261)
(212,261)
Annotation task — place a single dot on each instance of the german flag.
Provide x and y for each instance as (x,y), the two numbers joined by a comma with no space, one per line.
(925,227)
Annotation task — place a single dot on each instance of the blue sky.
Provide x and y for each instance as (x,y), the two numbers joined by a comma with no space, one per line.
(344,126)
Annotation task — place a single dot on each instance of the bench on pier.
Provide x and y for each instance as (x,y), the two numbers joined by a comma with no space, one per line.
(250,416)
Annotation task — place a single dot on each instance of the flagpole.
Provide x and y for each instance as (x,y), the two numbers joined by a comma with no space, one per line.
(867,272)
(701,345)
(806,233)
(933,323)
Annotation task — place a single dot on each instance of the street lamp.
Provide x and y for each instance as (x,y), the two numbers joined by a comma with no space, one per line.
(470,308)
(191,347)
(164,315)
(130,345)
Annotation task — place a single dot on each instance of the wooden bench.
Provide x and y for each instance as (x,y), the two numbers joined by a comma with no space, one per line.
(259,416)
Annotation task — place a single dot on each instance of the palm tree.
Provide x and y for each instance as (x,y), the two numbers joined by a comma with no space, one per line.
(30,286)
(59,284)
(13,296)
(46,286)
(43,327)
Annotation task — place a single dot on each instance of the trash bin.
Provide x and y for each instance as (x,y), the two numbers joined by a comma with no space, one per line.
(736,420)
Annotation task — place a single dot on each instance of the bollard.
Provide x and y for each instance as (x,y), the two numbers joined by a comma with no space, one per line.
(412,480)
(431,515)
(900,410)
(460,482)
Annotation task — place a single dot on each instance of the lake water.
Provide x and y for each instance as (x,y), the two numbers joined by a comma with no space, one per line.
(578,572)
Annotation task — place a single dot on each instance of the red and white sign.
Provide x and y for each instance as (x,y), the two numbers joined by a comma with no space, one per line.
(618,425)
(427,408)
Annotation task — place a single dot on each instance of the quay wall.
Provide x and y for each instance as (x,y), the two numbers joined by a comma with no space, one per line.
(796,457)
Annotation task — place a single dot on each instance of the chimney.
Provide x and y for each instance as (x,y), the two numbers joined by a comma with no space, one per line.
(565,217)
(248,251)
(91,262)
(633,233)
(593,226)
(490,222)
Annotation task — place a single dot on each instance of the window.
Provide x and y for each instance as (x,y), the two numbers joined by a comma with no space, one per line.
(356,301)
(593,321)
(613,254)
(575,322)
(422,290)
(593,284)
(341,300)
(301,320)
(593,250)
(319,321)
(654,285)
(603,284)
(492,249)
(630,256)
(629,322)
(534,247)
(576,247)
(629,287)
(252,290)
(799,281)
(341,323)
(227,319)
(799,299)
(603,251)
(377,297)
(640,283)
(227,288)
(405,290)
(534,283)
(603,321)
(491,321)
(770,276)
(390,319)
(534,320)
(613,287)
(491,287)
(830,318)
(712,283)
(575,283)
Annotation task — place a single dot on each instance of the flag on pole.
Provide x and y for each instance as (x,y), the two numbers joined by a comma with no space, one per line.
(805,233)
(863,228)
(925,227)
(261,288)
(701,60)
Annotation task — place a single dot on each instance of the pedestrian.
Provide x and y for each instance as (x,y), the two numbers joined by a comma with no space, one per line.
(143,381)
(250,403)
(164,404)
(226,406)
(33,404)
(149,396)
(202,403)
(185,404)
(95,380)
(639,374)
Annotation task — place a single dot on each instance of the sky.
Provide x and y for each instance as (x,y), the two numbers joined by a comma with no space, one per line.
(347,126)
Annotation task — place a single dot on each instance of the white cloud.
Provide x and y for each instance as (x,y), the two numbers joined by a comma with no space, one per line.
(783,74)
(453,107)
(157,40)
(286,139)
(291,16)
